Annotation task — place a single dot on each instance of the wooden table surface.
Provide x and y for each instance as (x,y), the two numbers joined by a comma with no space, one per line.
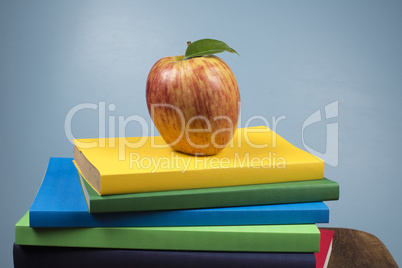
(354,248)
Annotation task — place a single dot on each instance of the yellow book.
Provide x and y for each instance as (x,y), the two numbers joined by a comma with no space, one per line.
(256,155)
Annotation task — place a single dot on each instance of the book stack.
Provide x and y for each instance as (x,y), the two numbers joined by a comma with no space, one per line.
(133,202)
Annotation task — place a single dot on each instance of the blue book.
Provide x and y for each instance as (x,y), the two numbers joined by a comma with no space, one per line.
(60,203)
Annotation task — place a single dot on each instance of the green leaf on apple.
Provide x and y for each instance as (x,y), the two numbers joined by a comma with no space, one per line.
(205,47)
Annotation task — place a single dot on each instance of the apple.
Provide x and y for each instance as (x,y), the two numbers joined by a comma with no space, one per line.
(194,103)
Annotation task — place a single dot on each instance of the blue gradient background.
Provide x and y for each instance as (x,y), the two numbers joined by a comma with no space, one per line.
(296,57)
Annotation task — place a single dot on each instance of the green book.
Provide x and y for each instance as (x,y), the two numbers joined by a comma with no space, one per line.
(246,195)
(251,238)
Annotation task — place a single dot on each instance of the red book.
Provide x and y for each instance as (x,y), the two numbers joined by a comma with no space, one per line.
(322,257)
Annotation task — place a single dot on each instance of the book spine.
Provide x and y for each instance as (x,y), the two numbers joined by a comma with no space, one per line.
(195,179)
(64,257)
(302,213)
(248,238)
(208,199)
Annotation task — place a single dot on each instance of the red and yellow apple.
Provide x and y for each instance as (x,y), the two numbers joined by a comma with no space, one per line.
(194,103)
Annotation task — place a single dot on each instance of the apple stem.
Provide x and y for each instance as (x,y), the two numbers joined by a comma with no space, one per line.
(188,43)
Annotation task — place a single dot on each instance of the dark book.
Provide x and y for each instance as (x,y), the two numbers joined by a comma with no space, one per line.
(64,257)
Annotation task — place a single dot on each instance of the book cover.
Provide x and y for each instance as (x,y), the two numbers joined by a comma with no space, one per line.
(245,195)
(256,155)
(247,238)
(60,203)
(322,257)
(65,257)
